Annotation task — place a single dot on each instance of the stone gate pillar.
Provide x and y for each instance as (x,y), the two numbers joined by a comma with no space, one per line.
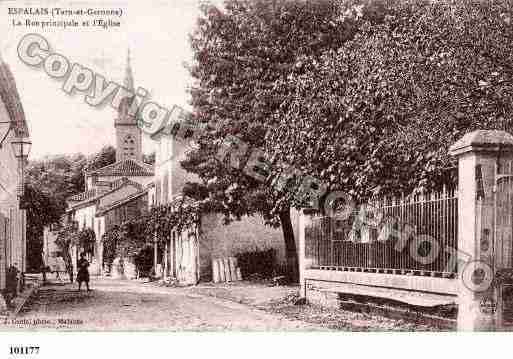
(478,154)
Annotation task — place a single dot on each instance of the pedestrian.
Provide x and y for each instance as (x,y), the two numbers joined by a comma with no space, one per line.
(83,272)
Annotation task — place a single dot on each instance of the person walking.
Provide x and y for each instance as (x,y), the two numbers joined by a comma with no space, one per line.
(83,272)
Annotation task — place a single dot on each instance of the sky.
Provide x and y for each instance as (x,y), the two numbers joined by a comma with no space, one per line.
(156,32)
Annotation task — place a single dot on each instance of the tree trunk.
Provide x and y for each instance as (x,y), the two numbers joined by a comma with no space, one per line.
(290,246)
(68,262)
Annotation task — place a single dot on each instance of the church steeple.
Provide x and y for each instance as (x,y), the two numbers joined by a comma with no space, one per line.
(128,134)
(128,81)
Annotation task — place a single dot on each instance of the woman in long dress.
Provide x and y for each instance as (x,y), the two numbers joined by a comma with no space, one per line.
(83,272)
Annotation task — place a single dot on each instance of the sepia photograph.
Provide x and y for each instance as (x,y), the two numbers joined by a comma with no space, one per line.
(296,166)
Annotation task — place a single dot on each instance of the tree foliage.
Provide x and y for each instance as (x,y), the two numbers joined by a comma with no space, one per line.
(49,181)
(181,214)
(65,238)
(110,240)
(133,236)
(84,239)
(59,176)
(241,52)
(377,115)
(366,96)
(371,111)
(42,210)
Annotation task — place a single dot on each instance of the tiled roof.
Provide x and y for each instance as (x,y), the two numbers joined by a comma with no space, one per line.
(101,211)
(10,97)
(118,183)
(95,192)
(127,167)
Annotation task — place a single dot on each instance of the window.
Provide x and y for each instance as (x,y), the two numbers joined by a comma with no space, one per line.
(129,146)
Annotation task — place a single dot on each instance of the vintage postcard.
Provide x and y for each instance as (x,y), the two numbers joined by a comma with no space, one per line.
(255,165)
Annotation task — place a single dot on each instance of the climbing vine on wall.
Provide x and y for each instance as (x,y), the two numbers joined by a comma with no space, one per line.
(178,215)
(85,239)
(65,238)
(132,236)
(110,239)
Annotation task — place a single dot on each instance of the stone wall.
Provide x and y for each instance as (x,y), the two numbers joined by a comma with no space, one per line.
(248,234)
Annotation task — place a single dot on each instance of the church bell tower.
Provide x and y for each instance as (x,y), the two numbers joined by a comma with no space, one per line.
(128,134)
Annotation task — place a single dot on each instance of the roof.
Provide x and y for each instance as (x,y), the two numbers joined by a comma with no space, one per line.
(11,98)
(120,182)
(128,167)
(96,193)
(102,210)
(92,193)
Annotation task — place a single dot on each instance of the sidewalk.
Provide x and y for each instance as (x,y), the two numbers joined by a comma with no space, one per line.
(244,292)
(282,300)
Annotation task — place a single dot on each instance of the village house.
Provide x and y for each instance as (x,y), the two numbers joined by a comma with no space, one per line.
(190,255)
(14,148)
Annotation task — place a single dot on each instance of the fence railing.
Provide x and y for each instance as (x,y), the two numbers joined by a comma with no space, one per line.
(415,234)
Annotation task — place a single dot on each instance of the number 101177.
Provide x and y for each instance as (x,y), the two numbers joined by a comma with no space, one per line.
(20,350)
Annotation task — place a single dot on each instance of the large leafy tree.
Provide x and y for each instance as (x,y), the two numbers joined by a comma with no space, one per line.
(60,176)
(241,52)
(365,96)
(49,181)
(42,210)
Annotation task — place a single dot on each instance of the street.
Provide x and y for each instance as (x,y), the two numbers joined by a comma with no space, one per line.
(131,305)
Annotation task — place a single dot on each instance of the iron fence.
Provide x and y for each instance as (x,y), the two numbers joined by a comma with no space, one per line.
(415,234)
